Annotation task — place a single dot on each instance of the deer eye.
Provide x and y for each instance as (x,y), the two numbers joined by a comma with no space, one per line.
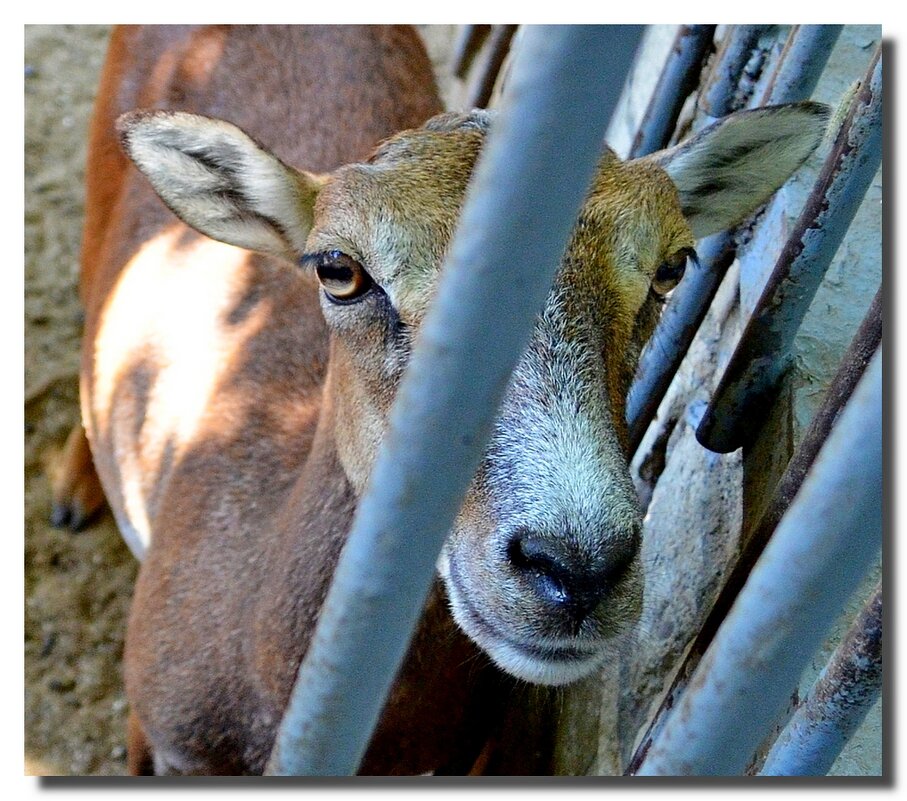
(342,277)
(669,273)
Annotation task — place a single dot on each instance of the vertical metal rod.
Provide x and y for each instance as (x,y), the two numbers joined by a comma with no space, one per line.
(680,320)
(795,78)
(498,48)
(469,40)
(520,209)
(815,560)
(853,365)
(678,78)
(836,704)
(763,353)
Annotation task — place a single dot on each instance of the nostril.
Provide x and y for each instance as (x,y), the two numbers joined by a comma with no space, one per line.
(534,555)
(557,575)
(532,552)
(563,576)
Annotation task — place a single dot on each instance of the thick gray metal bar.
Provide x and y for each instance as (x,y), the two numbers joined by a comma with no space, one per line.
(796,75)
(520,209)
(819,553)
(678,78)
(836,704)
(853,365)
(680,320)
(764,351)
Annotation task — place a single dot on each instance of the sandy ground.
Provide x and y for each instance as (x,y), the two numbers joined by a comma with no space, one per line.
(77,586)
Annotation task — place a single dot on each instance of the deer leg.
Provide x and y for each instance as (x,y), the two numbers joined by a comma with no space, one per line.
(139,759)
(75,490)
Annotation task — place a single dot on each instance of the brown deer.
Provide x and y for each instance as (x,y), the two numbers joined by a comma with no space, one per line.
(234,394)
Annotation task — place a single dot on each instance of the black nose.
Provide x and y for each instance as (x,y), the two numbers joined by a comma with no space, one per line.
(566,576)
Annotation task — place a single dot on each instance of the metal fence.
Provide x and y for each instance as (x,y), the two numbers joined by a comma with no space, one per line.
(822,528)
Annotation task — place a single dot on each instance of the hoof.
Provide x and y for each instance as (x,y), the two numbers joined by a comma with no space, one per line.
(76,492)
(72,517)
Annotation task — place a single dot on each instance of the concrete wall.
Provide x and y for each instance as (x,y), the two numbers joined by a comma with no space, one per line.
(698,501)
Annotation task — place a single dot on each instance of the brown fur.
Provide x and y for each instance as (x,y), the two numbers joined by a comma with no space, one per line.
(161,67)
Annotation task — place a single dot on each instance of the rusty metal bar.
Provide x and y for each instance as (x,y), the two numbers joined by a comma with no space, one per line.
(853,365)
(498,48)
(520,209)
(795,77)
(678,79)
(764,351)
(721,93)
(816,558)
(801,63)
(469,41)
(836,704)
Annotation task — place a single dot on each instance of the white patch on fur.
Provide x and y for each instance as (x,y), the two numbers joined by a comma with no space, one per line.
(568,464)
(560,464)
(136,539)
(516,660)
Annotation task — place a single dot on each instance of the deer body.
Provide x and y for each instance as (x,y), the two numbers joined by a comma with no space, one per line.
(234,406)
(177,382)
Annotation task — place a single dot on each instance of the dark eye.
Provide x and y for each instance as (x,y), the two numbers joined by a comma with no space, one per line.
(668,275)
(343,278)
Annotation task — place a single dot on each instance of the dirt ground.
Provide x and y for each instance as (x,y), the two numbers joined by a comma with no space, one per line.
(77,586)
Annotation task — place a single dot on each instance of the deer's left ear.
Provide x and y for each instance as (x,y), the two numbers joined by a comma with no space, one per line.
(731,168)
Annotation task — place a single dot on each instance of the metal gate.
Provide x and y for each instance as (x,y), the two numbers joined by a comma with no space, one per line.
(802,553)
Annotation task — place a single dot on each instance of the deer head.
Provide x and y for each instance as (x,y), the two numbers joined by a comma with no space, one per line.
(541,567)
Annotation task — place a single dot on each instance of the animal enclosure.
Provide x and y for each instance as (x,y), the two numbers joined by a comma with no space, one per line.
(611,722)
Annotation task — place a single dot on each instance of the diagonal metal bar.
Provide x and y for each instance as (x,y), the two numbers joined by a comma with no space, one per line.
(853,365)
(678,78)
(721,93)
(469,41)
(486,78)
(680,320)
(795,77)
(801,63)
(836,704)
(764,351)
(521,207)
(816,558)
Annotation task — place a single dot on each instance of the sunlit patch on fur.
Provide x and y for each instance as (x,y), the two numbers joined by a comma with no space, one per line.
(181,363)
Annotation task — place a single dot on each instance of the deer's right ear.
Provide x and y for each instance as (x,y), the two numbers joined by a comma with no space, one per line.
(220,181)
